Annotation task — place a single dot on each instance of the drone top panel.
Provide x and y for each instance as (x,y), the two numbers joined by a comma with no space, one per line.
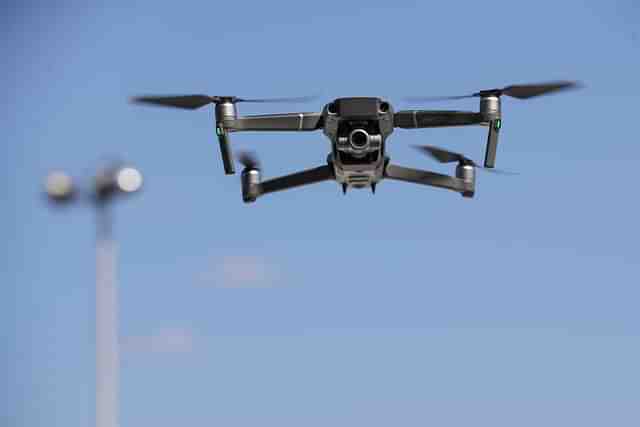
(358,108)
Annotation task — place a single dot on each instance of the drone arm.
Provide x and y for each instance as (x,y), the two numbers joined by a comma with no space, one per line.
(412,119)
(226,123)
(309,176)
(225,151)
(275,122)
(416,176)
(492,143)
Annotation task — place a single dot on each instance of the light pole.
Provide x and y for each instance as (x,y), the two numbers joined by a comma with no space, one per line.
(108,184)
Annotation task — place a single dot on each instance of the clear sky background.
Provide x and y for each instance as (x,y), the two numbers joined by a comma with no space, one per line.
(412,307)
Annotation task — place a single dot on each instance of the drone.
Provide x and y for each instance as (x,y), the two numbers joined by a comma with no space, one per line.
(358,128)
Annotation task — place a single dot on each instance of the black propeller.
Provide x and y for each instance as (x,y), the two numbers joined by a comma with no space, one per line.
(444,156)
(191,102)
(249,160)
(524,91)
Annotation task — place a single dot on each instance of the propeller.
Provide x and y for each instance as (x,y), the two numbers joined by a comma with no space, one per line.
(192,102)
(523,91)
(444,156)
(249,160)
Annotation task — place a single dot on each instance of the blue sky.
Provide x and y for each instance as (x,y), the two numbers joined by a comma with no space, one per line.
(414,306)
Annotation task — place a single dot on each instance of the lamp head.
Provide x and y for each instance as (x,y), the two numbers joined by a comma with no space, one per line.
(117,179)
(59,187)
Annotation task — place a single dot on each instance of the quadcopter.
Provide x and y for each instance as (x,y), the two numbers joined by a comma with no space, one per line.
(358,128)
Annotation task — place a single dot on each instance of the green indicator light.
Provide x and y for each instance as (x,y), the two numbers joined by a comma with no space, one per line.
(219,131)
(498,124)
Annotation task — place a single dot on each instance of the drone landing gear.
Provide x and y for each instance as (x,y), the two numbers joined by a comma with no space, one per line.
(345,187)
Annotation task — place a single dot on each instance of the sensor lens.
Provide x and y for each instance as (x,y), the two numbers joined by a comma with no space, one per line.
(359,138)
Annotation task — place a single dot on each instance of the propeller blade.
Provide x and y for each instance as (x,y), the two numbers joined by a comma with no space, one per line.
(249,160)
(192,102)
(527,91)
(289,100)
(523,91)
(444,156)
(188,102)
(441,155)
(418,99)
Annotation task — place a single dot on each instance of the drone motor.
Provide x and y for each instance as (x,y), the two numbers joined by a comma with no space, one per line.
(225,110)
(250,179)
(490,107)
(467,173)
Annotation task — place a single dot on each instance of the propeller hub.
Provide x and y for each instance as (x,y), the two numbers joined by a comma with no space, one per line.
(249,160)
(489,92)
(226,99)
(520,91)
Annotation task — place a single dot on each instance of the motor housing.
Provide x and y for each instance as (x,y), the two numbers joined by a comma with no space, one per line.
(467,173)
(490,107)
(250,179)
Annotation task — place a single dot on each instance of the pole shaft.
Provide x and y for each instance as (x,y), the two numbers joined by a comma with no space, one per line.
(107,359)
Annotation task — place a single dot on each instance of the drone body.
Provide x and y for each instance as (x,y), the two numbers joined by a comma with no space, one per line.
(358,129)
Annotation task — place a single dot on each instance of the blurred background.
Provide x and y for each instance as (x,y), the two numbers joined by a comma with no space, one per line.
(309,308)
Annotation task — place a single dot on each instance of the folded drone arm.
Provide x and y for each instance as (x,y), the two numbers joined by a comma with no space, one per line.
(417,176)
(275,122)
(265,122)
(412,119)
(492,143)
(298,179)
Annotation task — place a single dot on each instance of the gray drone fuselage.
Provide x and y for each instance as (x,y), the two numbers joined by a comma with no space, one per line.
(358,129)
